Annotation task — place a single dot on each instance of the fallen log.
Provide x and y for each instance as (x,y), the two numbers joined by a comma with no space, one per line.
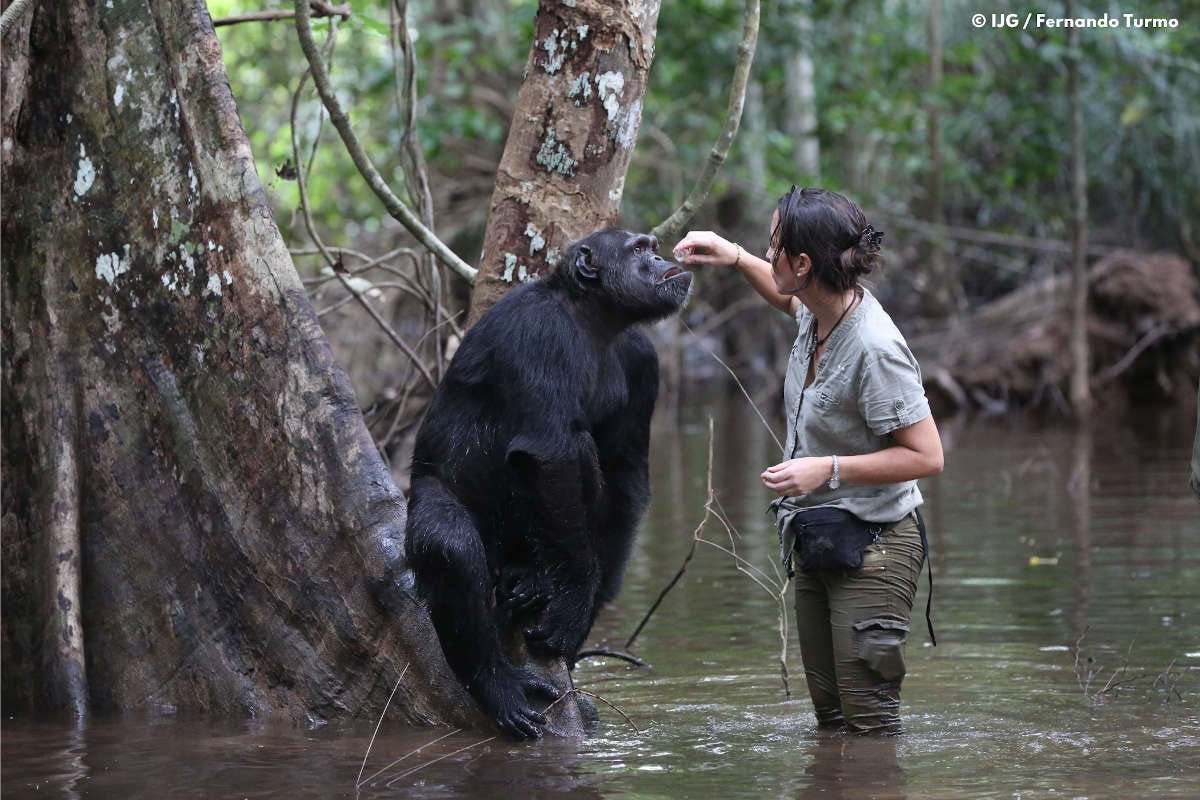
(1143,332)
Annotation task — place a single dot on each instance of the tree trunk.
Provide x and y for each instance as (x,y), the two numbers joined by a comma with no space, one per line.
(800,95)
(943,295)
(1080,392)
(195,516)
(756,129)
(572,136)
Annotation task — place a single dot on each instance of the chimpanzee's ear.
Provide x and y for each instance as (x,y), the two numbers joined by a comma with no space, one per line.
(585,263)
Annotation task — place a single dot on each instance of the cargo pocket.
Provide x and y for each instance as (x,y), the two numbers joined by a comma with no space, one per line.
(880,643)
(874,558)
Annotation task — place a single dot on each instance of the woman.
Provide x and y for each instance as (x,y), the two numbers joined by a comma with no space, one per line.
(859,434)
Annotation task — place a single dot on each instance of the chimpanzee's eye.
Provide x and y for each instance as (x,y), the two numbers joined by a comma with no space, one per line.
(638,249)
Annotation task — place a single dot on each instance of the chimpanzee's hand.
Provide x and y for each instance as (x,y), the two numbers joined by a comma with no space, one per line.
(522,590)
(506,697)
(561,628)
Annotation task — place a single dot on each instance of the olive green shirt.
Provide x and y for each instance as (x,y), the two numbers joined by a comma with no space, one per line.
(867,385)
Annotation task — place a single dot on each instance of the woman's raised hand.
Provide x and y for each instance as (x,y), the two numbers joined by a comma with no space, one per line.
(705,248)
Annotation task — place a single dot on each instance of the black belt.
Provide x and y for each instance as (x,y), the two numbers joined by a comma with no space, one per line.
(929,564)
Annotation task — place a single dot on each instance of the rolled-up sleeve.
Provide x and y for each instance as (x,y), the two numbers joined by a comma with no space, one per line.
(892,395)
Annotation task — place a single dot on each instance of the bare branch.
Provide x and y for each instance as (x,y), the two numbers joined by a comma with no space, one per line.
(1109,374)
(979,236)
(12,14)
(319,9)
(316,238)
(669,230)
(394,205)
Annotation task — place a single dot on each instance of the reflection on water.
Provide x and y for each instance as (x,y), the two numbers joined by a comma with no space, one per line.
(1068,665)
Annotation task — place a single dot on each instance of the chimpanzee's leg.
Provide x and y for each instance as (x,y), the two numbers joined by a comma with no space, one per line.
(448,558)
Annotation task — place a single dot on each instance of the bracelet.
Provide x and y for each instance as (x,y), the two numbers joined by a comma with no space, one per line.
(738,261)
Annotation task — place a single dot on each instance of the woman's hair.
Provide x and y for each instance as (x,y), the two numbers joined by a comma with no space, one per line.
(833,231)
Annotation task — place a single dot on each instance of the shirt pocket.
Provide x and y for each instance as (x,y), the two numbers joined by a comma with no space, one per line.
(833,391)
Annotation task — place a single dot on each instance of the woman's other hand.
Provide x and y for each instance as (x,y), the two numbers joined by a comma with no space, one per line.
(798,476)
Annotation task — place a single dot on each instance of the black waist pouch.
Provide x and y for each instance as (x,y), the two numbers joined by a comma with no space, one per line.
(832,538)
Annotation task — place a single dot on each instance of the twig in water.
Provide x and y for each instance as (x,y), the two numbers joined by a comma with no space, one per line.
(595,696)
(604,652)
(378,725)
(736,380)
(691,551)
(405,757)
(420,767)
(776,587)
(1085,682)
(1113,681)
(1122,677)
(1168,681)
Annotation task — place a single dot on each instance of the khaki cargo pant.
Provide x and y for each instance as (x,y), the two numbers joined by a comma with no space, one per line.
(852,627)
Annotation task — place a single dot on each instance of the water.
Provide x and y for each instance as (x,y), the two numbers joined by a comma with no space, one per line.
(1067,607)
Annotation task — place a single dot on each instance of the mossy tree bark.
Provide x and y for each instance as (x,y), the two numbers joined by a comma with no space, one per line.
(194,515)
(568,150)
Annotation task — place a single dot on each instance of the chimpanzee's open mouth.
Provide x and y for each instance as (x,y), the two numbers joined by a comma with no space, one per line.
(671,273)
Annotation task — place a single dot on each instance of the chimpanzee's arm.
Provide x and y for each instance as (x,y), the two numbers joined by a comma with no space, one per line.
(624,444)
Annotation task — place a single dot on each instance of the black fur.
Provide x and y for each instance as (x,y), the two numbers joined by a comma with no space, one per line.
(530,475)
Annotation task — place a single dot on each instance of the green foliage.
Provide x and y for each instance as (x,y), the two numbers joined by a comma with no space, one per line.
(1002,105)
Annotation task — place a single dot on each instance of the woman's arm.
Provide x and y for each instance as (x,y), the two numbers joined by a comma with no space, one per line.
(917,453)
(708,249)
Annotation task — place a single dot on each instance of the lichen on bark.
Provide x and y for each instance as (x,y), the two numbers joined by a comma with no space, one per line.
(572,136)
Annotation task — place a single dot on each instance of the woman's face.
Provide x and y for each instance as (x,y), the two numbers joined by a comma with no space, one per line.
(783,266)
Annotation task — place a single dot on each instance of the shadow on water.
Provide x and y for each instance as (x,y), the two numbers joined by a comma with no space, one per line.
(1067,605)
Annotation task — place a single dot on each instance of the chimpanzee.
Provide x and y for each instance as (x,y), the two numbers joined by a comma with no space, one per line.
(529,474)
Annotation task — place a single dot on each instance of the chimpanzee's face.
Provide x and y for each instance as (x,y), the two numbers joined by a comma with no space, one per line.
(625,269)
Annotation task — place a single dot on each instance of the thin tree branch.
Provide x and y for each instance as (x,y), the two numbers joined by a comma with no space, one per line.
(316,238)
(394,205)
(319,9)
(979,236)
(1160,331)
(412,161)
(736,380)
(669,229)
(12,14)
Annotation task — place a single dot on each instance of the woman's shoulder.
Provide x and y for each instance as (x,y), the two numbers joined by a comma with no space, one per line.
(876,328)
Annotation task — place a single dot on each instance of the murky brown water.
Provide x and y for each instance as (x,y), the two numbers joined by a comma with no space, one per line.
(1043,540)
